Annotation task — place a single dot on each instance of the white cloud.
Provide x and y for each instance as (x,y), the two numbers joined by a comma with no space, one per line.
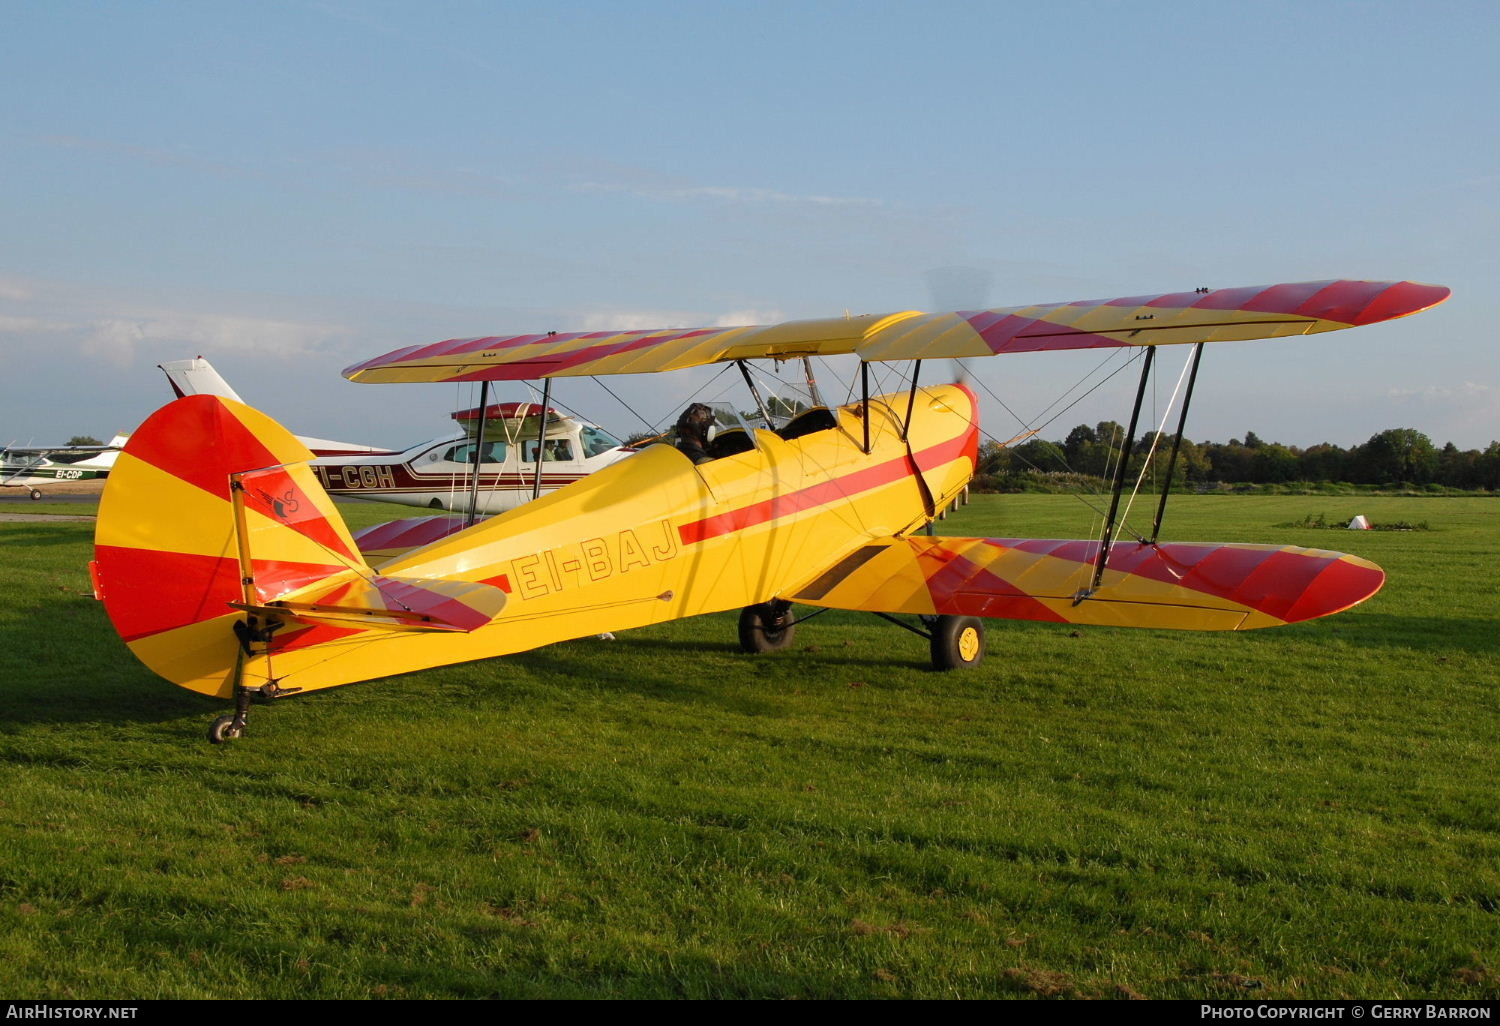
(113,340)
(746,195)
(14,290)
(651,320)
(118,338)
(1468,413)
(736,318)
(635,320)
(59,318)
(10,325)
(731,194)
(1468,393)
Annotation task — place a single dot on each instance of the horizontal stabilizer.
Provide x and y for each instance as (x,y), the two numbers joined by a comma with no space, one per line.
(352,599)
(1181,585)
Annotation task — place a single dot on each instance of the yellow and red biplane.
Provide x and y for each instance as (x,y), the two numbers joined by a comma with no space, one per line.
(227,570)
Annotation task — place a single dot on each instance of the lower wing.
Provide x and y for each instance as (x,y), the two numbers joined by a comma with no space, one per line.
(1182,585)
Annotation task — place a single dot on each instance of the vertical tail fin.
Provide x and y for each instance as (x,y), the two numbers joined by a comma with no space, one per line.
(210,503)
(197,377)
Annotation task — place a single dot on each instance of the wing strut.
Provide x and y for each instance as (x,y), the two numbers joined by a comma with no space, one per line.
(812,383)
(760,403)
(1114,502)
(541,435)
(864,389)
(1166,485)
(911,403)
(484,399)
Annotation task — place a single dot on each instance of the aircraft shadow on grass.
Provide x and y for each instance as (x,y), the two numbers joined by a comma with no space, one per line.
(67,679)
(57,533)
(1471,635)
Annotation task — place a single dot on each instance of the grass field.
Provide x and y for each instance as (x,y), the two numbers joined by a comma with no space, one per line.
(1307,812)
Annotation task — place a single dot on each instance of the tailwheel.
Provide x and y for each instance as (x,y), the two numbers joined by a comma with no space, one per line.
(767,627)
(957,642)
(248,632)
(226,729)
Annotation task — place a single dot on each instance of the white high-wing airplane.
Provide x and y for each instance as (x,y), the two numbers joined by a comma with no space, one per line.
(440,473)
(29,466)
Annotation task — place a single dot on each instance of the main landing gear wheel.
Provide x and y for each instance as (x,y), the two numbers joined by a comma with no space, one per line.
(957,642)
(35,495)
(768,627)
(224,729)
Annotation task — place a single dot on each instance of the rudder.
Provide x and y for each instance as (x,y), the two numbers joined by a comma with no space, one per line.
(207,493)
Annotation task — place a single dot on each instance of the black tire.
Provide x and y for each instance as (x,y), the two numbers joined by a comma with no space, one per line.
(223,729)
(766,628)
(957,642)
(435,504)
(35,495)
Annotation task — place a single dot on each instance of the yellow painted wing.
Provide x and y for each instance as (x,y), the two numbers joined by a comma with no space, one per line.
(1221,315)
(1183,586)
(398,537)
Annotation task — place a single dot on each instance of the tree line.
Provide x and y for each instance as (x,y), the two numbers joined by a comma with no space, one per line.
(1397,457)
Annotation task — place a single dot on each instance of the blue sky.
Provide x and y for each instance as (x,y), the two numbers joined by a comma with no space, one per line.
(288,188)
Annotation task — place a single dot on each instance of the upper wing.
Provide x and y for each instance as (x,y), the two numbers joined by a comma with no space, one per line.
(1221,315)
(1186,586)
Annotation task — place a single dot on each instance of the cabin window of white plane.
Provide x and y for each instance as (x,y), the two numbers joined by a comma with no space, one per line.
(494,453)
(597,441)
(553,450)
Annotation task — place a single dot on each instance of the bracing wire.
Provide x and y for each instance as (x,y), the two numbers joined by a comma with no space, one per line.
(1107,470)
(1155,441)
(649,426)
(1114,354)
(1116,452)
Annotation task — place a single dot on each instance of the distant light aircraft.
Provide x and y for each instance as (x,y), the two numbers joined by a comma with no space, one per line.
(227,570)
(29,466)
(441,473)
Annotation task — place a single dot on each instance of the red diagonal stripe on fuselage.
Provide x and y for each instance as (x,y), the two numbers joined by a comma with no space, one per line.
(824,492)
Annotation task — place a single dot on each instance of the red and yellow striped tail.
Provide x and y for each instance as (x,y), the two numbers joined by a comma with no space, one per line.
(212,513)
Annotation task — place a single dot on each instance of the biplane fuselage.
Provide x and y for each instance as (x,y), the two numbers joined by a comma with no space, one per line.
(650,539)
